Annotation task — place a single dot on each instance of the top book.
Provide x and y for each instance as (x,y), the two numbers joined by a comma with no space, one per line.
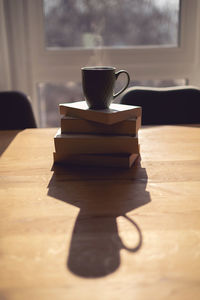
(114,114)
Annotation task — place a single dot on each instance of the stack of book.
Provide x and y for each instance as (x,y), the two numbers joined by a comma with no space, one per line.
(107,137)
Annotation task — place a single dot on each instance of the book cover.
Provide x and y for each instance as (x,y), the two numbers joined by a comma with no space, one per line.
(121,160)
(76,125)
(94,143)
(116,112)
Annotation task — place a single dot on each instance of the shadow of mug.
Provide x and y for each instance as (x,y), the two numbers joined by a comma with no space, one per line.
(102,195)
(95,246)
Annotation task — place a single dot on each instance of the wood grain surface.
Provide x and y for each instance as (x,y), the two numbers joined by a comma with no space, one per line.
(94,233)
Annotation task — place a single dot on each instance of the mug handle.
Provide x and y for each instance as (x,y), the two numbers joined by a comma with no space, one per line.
(139,244)
(128,81)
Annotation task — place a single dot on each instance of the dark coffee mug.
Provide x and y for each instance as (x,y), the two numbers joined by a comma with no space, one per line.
(98,86)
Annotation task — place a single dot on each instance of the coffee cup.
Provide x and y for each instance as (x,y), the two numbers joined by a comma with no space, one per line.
(98,85)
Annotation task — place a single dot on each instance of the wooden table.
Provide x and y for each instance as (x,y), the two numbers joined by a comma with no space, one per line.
(70,233)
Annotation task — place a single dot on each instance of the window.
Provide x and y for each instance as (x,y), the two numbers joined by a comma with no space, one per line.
(97,25)
(110,23)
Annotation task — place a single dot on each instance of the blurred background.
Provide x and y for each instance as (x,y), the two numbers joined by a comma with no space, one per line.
(44,44)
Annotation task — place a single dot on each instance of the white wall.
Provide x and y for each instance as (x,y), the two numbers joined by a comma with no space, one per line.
(5,81)
(195,76)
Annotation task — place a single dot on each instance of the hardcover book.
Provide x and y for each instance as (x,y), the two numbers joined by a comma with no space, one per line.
(121,160)
(114,114)
(75,125)
(90,143)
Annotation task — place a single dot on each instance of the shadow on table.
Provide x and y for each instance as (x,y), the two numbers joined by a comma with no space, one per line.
(7,136)
(102,195)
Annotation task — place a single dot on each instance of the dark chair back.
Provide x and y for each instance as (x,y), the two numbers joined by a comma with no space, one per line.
(15,111)
(175,105)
